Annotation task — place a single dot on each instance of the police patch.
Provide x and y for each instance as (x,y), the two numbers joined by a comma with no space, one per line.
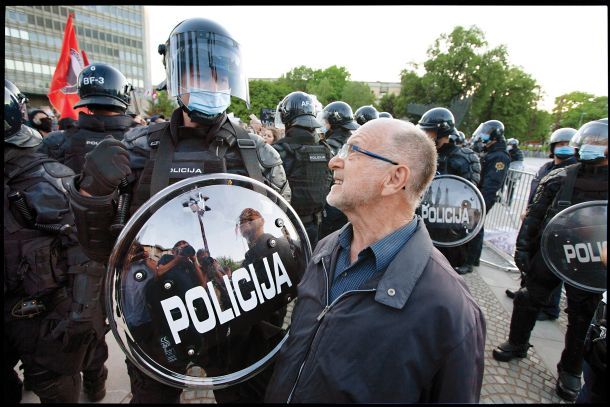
(499,166)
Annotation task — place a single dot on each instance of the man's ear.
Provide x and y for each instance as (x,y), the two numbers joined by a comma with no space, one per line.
(396,180)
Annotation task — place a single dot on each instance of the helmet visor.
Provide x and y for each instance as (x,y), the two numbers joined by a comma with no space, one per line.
(205,61)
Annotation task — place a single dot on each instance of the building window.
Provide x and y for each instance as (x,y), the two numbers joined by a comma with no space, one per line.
(28,67)
(63,11)
(19,65)
(31,19)
(40,22)
(55,9)
(10,64)
(48,23)
(47,8)
(56,25)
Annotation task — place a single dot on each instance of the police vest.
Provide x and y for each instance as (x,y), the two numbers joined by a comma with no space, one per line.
(191,156)
(86,136)
(464,153)
(581,184)
(309,177)
(33,262)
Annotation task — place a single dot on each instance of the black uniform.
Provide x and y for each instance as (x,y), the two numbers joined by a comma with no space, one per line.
(70,146)
(494,168)
(161,154)
(463,162)
(332,218)
(591,183)
(43,325)
(306,164)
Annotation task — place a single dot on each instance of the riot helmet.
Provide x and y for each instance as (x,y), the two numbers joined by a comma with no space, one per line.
(105,86)
(591,140)
(512,142)
(438,119)
(15,115)
(490,130)
(365,114)
(386,115)
(564,134)
(461,139)
(338,114)
(204,68)
(296,109)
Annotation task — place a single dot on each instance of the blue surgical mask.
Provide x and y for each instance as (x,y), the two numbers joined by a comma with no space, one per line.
(563,151)
(590,152)
(485,138)
(509,147)
(322,129)
(210,103)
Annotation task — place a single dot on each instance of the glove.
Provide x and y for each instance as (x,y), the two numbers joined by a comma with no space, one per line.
(522,260)
(73,334)
(105,166)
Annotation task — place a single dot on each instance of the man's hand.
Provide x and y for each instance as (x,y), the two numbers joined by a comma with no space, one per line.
(522,260)
(74,334)
(105,166)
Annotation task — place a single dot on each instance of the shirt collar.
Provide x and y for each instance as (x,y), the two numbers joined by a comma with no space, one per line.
(384,250)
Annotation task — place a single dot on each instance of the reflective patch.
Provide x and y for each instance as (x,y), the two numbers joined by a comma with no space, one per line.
(500,166)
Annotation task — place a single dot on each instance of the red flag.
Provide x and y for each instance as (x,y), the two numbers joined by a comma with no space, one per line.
(62,93)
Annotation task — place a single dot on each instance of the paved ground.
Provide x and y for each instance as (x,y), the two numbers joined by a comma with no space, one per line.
(530,380)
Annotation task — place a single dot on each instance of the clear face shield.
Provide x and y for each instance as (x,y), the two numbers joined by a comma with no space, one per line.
(322,117)
(278,117)
(482,133)
(205,61)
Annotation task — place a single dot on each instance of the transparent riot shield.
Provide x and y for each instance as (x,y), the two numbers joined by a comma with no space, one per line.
(572,243)
(202,279)
(453,210)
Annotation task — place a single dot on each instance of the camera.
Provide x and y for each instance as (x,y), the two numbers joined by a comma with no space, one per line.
(186,251)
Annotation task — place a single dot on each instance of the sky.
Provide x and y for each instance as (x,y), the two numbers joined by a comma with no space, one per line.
(564,48)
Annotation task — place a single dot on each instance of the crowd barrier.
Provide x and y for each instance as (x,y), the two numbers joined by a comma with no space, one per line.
(503,221)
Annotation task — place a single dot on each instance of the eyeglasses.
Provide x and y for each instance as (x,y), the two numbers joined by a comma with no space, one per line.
(345,149)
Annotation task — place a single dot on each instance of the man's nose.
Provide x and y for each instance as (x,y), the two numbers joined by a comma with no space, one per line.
(335,162)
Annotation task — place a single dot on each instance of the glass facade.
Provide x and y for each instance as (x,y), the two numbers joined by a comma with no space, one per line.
(33,37)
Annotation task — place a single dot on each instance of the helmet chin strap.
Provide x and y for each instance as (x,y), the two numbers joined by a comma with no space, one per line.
(199,117)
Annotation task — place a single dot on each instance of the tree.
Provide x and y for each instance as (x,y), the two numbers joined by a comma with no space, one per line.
(388,104)
(263,95)
(461,65)
(163,105)
(577,108)
(357,94)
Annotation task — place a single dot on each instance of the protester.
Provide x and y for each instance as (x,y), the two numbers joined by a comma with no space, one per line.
(381,315)
(41,121)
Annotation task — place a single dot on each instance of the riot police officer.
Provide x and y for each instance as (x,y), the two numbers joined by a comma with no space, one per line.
(305,160)
(386,115)
(461,139)
(562,155)
(203,70)
(338,124)
(365,113)
(494,169)
(50,293)
(439,124)
(561,188)
(103,90)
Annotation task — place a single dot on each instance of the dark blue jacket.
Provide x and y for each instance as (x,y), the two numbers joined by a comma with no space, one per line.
(494,169)
(412,334)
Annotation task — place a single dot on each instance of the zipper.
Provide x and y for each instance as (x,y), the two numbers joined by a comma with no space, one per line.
(319,318)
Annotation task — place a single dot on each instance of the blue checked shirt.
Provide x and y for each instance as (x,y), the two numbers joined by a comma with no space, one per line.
(374,259)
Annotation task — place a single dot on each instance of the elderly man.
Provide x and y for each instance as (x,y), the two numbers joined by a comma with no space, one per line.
(381,316)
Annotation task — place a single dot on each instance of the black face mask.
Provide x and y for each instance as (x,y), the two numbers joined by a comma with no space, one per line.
(46,124)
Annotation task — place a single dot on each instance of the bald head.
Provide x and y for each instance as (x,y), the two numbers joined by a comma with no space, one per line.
(403,142)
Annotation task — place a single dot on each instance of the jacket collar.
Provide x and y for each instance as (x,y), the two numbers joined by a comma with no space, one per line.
(104,123)
(396,284)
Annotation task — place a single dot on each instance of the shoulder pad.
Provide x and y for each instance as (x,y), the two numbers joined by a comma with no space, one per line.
(267,155)
(58,170)
(555,175)
(54,137)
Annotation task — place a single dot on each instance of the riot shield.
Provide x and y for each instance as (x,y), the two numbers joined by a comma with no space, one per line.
(202,278)
(453,210)
(572,243)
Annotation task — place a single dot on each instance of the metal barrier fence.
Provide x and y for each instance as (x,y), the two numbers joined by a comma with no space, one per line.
(503,221)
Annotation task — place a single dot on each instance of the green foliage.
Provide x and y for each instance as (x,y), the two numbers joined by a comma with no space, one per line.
(357,94)
(227,261)
(388,104)
(263,95)
(163,105)
(577,108)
